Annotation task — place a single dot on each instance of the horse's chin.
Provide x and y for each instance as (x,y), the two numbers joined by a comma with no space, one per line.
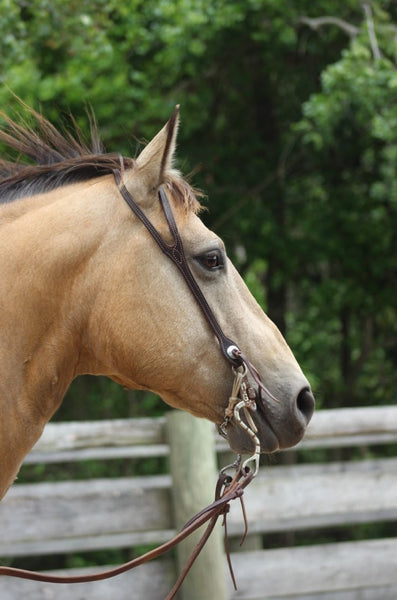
(240,442)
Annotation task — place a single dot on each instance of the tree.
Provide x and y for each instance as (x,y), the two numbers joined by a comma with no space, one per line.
(349,218)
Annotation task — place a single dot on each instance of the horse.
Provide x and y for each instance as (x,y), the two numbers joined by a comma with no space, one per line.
(84,289)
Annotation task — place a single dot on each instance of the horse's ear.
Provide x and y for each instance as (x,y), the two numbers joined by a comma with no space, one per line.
(156,158)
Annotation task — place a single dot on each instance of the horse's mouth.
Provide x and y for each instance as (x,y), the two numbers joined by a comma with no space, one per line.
(275,431)
(241,443)
(279,425)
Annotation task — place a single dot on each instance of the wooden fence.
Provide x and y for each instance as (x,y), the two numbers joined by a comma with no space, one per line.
(41,519)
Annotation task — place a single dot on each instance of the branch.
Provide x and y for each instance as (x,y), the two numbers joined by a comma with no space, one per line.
(315,24)
(371,31)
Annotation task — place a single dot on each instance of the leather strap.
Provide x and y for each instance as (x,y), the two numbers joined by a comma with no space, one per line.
(227,489)
(176,253)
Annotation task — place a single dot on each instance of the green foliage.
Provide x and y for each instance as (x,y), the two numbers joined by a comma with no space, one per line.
(349,219)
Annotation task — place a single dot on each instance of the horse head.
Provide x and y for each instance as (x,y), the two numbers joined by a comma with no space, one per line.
(86,289)
(158,336)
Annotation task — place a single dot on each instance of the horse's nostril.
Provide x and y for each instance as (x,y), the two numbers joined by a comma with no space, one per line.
(305,403)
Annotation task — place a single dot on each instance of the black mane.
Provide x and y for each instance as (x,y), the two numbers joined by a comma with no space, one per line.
(49,159)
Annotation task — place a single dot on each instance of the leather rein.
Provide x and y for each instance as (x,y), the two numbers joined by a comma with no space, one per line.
(244,399)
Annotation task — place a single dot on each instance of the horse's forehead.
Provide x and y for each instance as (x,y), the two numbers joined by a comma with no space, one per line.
(194,231)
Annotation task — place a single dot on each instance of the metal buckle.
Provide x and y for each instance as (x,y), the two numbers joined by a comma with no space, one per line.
(240,401)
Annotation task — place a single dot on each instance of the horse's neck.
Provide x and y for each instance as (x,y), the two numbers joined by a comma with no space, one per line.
(41,314)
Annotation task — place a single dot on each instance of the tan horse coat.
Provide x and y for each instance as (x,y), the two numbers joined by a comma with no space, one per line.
(84,289)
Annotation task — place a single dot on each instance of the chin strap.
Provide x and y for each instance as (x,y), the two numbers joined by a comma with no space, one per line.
(241,403)
(244,401)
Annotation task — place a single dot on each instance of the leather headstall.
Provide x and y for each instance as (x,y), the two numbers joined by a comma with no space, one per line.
(176,253)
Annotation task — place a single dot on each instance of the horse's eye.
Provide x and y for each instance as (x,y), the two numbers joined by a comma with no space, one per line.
(212,260)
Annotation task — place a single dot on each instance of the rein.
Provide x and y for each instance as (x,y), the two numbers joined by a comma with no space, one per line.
(227,489)
(244,399)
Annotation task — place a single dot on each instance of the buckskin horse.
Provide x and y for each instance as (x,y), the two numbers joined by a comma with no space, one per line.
(87,287)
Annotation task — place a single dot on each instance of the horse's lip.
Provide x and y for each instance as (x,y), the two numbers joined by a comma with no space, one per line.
(240,442)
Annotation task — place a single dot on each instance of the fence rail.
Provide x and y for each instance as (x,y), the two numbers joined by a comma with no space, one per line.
(75,516)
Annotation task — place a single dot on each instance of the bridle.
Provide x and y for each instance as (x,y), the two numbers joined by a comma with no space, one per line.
(243,401)
(244,397)
(176,254)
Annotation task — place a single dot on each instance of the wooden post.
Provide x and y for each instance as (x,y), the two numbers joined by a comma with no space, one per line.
(194,474)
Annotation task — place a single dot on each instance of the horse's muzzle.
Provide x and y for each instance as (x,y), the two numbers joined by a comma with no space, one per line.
(280,424)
